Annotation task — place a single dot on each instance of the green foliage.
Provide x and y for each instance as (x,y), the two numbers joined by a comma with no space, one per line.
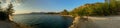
(101,9)
(10,9)
(64,12)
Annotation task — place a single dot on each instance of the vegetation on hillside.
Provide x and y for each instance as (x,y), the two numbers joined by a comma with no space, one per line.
(110,7)
(64,12)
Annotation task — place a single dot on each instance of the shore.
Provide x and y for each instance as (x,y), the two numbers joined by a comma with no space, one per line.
(97,22)
(92,22)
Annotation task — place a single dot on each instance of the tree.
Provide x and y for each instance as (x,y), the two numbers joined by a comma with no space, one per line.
(64,12)
(113,6)
(74,12)
(0,7)
(110,7)
(10,9)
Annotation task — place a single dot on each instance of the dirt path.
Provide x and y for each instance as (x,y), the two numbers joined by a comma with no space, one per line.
(7,24)
(106,22)
(98,22)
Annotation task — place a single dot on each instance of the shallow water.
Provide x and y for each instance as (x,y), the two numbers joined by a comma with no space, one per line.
(44,21)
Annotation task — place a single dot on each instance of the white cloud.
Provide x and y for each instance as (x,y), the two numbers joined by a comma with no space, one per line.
(8,1)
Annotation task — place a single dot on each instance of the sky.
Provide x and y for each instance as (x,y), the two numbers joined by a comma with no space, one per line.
(27,6)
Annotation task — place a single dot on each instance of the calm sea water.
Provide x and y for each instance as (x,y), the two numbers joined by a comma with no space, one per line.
(44,21)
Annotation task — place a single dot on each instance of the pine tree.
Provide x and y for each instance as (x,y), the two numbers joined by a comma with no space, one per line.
(10,9)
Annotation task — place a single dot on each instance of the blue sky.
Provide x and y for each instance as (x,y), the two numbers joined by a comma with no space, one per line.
(50,5)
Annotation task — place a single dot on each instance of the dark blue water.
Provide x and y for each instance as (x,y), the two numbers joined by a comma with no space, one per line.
(44,21)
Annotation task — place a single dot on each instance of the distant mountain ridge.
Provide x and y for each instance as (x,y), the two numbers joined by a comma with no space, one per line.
(43,13)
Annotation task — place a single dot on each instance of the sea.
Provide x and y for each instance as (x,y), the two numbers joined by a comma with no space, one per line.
(44,20)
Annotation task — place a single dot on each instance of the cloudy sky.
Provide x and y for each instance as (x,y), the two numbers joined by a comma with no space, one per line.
(26,6)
